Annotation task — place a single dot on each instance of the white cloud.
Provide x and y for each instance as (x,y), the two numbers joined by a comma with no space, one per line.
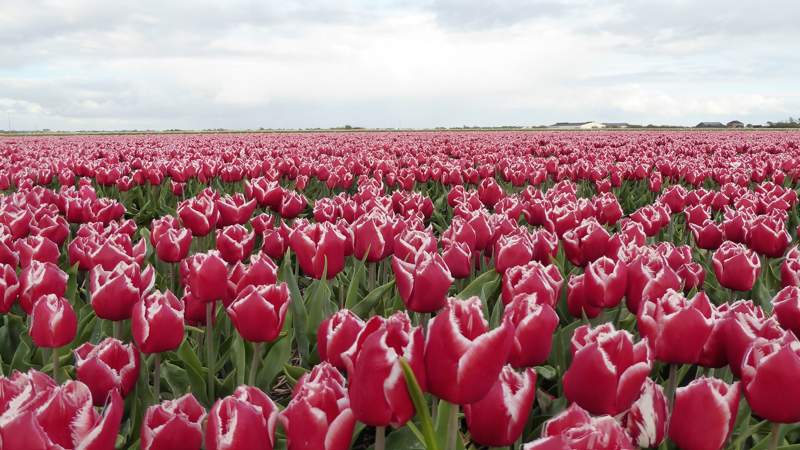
(92,64)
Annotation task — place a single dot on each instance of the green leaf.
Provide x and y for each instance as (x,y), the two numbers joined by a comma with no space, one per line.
(363,307)
(297,307)
(546,372)
(319,305)
(421,406)
(195,371)
(239,359)
(477,288)
(177,378)
(21,358)
(354,289)
(278,356)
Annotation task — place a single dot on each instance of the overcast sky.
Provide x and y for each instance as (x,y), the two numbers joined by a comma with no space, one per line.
(94,64)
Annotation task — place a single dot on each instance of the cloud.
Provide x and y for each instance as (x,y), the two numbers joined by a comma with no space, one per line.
(89,64)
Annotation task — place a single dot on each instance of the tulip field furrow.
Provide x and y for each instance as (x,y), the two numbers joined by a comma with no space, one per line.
(431,290)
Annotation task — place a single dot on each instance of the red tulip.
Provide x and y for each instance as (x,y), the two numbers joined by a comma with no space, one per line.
(38,280)
(616,366)
(499,418)
(53,322)
(107,366)
(577,301)
(38,248)
(646,421)
(462,356)
(292,205)
(235,243)
(422,283)
(767,235)
(261,270)
(236,422)
(259,311)
(114,292)
(786,307)
(206,275)
(770,370)
(512,250)
(704,414)
(676,328)
(377,391)
(9,288)
(743,323)
(60,417)
(170,241)
(790,268)
(585,243)
(736,266)
(199,214)
(173,424)
(319,416)
(490,192)
(707,235)
(373,237)
(234,209)
(649,276)
(318,246)
(605,282)
(157,322)
(458,257)
(533,278)
(336,335)
(534,325)
(575,429)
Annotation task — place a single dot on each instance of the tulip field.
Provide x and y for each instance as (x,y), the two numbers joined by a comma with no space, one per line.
(429,290)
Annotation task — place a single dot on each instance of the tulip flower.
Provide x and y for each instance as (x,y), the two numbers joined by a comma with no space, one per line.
(113,293)
(499,418)
(767,235)
(377,396)
(742,325)
(790,268)
(157,322)
(235,243)
(261,270)
(259,311)
(206,275)
(769,375)
(173,424)
(512,250)
(646,421)
(649,276)
(577,302)
(458,257)
(676,328)
(736,266)
(422,283)
(53,322)
(410,242)
(373,238)
(234,209)
(319,247)
(9,288)
(60,417)
(199,214)
(575,429)
(171,242)
(585,243)
(462,356)
(786,308)
(534,325)
(616,366)
(107,366)
(236,422)
(40,279)
(704,414)
(533,278)
(605,282)
(36,247)
(319,416)
(490,192)
(336,334)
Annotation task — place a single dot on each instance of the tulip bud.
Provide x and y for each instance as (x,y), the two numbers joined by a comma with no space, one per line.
(462,356)
(336,335)
(53,322)
(206,276)
(173,424)
(157,322)
(736,267)
(646,421)
(259,311)
(616,366)
(422,283)
(107,366)
(704,414)
(499,418)
(770,370)
(534,325)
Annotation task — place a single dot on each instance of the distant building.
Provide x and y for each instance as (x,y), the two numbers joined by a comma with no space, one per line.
(578,125)
(710,125)
(616,125)
(734,124)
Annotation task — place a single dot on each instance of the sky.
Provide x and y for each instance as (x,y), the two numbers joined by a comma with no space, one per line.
(106,65)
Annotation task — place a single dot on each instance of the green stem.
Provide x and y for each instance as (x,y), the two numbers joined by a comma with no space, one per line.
(54,355)
(157,377)
(380,438)
(452,428)
(672,384)
(117,329)
(775,436)
(371,276)
(210,349)
(251,379)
